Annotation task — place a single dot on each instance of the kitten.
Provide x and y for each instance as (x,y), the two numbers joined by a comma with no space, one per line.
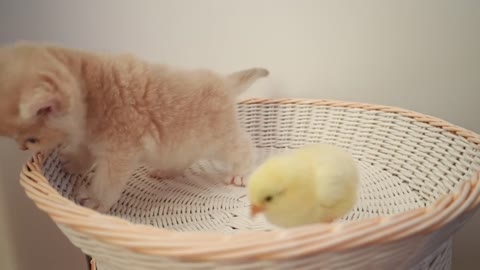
(119,112)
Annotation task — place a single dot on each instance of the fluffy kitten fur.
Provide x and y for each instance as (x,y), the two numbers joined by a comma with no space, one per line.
(118,112)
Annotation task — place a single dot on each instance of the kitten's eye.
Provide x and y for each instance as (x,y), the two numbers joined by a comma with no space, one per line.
(31,140)
(268,198)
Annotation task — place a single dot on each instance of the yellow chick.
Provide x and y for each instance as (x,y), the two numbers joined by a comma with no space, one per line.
(316,183)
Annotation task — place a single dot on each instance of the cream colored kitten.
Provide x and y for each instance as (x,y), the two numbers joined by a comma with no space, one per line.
(119,112)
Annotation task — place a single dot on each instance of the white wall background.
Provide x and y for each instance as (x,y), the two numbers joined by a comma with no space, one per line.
(421,55)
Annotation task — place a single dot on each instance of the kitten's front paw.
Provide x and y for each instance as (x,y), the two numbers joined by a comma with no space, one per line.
(238,181)
(84,198)
(89,203)
(93,204)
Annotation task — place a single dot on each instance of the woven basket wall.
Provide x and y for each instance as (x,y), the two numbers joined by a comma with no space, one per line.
(419,183)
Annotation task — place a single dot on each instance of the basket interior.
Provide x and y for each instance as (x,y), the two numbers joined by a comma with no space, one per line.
(404,164)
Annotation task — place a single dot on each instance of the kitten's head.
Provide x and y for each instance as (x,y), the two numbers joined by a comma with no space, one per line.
(34,97)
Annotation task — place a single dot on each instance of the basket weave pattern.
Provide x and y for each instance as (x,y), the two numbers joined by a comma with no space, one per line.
(419,183)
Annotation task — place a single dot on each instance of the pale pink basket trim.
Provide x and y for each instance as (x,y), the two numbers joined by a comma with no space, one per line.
(203,246)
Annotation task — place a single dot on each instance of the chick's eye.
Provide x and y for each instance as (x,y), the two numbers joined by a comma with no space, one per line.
(268,198)
(31,140)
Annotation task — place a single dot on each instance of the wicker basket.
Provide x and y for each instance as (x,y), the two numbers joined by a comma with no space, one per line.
(419,183)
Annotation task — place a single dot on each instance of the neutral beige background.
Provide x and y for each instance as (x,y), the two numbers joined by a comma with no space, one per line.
(421,55)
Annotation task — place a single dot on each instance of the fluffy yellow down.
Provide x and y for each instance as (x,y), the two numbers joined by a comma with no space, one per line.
(316,183)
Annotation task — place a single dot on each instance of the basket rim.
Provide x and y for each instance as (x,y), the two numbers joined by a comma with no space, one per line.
(275,245)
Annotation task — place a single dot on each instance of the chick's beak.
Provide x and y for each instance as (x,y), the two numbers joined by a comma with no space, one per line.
(255,209)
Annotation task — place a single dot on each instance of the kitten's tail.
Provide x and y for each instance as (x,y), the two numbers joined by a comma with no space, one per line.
(242,80)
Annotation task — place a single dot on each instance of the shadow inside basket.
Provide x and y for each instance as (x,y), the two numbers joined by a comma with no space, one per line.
(199,201)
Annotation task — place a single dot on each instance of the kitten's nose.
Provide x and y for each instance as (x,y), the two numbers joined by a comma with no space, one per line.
(23,148)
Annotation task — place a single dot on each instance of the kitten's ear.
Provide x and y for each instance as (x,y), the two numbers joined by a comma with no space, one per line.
(39,103)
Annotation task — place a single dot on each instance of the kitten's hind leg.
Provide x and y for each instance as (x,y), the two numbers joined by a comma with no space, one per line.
(237,152)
